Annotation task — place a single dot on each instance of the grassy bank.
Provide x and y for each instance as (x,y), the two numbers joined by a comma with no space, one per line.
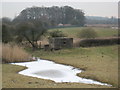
(99,63)
(11,79)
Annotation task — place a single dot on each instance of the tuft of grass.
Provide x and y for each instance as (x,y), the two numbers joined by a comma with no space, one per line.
(14,54)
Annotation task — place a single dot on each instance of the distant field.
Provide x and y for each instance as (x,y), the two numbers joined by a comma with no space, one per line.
(74,31)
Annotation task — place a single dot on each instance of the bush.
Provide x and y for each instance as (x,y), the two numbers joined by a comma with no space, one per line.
(14,54)
(99,42)
(57,33)
(88,33)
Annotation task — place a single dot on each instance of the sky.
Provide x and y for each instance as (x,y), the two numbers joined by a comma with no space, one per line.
(105,8)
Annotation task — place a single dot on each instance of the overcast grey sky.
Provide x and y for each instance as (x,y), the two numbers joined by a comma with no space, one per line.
(105,9)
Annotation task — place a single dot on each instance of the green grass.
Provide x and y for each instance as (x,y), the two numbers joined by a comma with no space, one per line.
(102,32)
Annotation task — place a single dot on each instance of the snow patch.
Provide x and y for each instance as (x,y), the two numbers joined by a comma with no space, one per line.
(57,72)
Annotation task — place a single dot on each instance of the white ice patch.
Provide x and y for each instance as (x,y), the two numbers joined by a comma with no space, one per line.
(57,72)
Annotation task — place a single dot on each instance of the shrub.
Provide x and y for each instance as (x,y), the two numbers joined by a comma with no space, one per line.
(14,54)
(87,33)
(57,33)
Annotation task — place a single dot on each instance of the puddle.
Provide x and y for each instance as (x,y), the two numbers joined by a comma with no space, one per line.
(57,72)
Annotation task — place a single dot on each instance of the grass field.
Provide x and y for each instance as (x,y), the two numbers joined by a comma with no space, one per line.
(101,32)
(99,63)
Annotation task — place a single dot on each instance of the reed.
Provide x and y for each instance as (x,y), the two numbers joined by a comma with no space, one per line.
(14,53)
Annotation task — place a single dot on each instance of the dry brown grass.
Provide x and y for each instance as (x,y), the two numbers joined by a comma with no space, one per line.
(13,53)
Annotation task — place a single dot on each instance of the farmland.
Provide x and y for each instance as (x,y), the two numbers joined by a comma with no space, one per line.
(101,32)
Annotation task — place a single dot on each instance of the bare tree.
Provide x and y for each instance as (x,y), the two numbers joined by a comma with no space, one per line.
(31,32)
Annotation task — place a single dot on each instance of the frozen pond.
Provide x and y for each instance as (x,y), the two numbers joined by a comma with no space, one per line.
(57,72)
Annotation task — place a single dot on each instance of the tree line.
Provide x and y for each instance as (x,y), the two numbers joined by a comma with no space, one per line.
(53,16)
